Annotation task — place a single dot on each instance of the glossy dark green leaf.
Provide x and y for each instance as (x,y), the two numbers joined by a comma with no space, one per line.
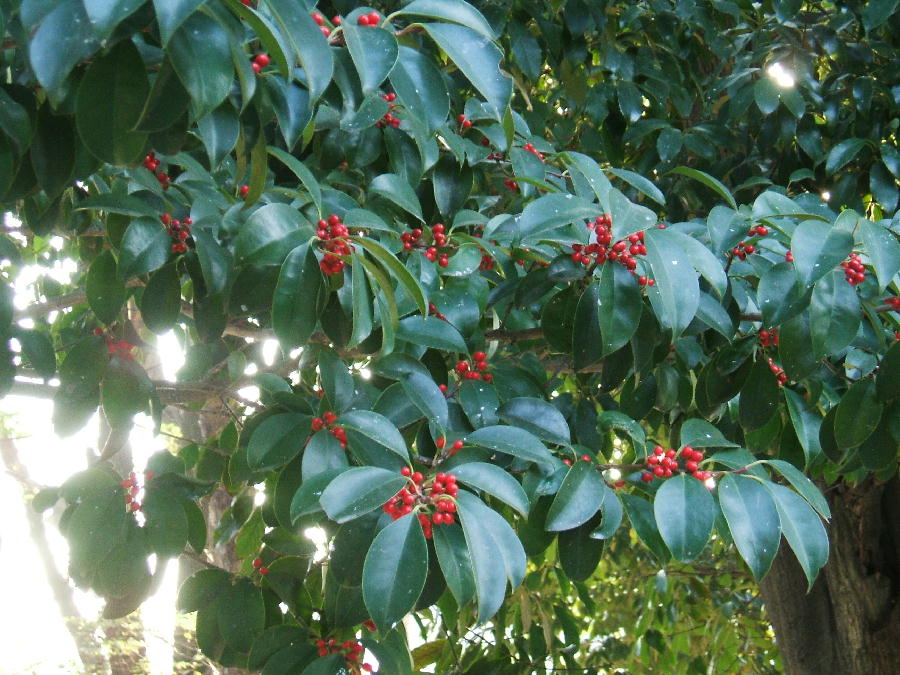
(803,530)
(201,54)
(277,440)
(270,233)
(323,453)
(105,15)
(15,122)
(548,212)
(429,331)
(63,38)
(803,485)
(685,513)
(397,270)
(456,564)
(712,183)
(420,87)
(144,248)
(170,14)
(241,614)
(887,384)
(53,151)
(883,249)
(818,248)
(302,172)
(612,513)
(780,294)
(766,95)
(759,397)
(701,434)
(37,350)
(454,11)
(161,300)
(376,427)
(858,414)
(479,60)
(579,553)
(511,441)
(292,109)
(395,570)
(201,589)
(219,131)
(395,189)
(579,497)
(359,491)
(843,153)
(676,294)
(495,481)
(479,401)
(643,520)
(753,519)
(374,51)
(306,500)
(537,417)
(306,41)
(296,300)
(806,424)
(620,307)
(166,524)
(426,396)
(834,315)
(106,294)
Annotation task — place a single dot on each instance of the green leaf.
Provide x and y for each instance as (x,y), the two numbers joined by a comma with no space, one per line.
(612,512)
(630,101)
(398,270)
(63,39)
(333,664)
(495,481)
(537,417)
(708,181)
(144,248)
(161,300)
(106,294)
(425,395)
(887,384)
(170,14)
(759,397)
(362,305)
(752,517)
(803,485)
(818,248)
(359,491)
(456,564)
(883,250)
(201,589)
(374,51)
(511,441)
(277,440)
(676,295)
(454,11)
(15,122)
(215,261)
(219,131)
(429,331)
(296,300)
(116,202)
(166,524)
(395,189)
(306,500)
(376,427)
(638,182)
(613,419)
(479,401)
(310,47)
(620,307)
(549,212)
(669,143)
(766,95)
(300,170)
(593,174)
(685,514)
(858,414)
(322,453)
(270,233)
(643,520)
(806,424)
(79,389)
(704,262)
(201,54)
(834,315)
(241,614)
(579,497)
(52,151)
(478,59)
(488,537)
(701,434)
(843,153)
(780,294)
(37,348)
(336,380)
(877,12)
(105,15)
(803,530)
(420,87)
(395,570)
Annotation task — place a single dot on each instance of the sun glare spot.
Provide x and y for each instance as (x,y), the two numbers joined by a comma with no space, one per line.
(783,78)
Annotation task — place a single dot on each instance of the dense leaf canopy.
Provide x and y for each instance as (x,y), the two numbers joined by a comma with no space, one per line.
(548,279)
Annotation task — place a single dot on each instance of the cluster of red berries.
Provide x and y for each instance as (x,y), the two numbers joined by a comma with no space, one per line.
(259,62)
(131,484)
(328,420)
(389,119)
(778,372)
(509,183)
(496,156)
(487,262)
(528,147)
(351,650)
(758,230)
(768,338)
(259,567)
(623,251)
(370,19)
(664,463)
(854,271)
(438,494)
(178,231)
(151,163)
(742,250)
(330,232)
(320,20)
(120,348)
(788,256)
(583,458)
(465,123)
(441,443)
(476,370)
(433,311)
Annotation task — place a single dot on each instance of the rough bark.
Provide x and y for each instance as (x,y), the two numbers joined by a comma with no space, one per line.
(849,623)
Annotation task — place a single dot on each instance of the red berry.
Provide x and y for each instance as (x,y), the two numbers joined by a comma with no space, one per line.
(479,356)
(406,471)
(336,20)
(457,445)
(257,563)
(374,18)
(263,60)
(363,20)
(417,477)
(264,570)
(647,477)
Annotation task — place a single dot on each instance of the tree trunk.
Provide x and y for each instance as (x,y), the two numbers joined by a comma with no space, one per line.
(849,623)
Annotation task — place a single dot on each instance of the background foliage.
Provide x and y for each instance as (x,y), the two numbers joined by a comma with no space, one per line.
(519,125)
